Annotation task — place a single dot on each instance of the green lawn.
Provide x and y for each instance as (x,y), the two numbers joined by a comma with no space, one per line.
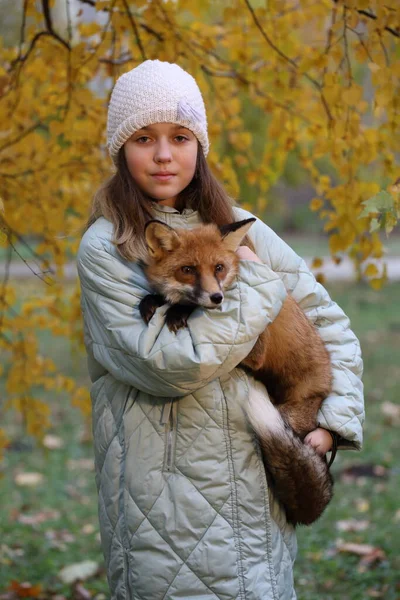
(37,552)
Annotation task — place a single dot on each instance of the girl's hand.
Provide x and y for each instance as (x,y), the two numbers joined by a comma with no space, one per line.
(244,253)
(320,439)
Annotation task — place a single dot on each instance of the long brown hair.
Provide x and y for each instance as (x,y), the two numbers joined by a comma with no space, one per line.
(121,201)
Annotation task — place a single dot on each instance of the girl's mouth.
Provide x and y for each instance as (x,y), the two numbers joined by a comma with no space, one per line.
(165,177)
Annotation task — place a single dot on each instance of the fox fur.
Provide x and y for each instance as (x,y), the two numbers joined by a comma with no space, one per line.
(190,268)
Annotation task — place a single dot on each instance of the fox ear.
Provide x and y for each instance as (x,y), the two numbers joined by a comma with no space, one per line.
(160,238)
(233,233)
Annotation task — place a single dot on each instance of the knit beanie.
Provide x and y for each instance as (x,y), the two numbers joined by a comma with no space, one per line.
(154,92)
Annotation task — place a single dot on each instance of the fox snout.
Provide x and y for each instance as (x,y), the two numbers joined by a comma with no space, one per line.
(193,267)
(210,300)
(216,298)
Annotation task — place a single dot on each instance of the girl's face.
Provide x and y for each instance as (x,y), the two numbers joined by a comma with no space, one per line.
(161,158)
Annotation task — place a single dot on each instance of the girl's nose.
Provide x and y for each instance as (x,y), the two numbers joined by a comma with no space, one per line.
(162,152)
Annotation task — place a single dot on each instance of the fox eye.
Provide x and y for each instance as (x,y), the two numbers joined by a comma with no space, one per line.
(188,270)
(219,268)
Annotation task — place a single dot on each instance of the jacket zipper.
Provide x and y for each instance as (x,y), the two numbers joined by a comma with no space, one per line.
(169,418)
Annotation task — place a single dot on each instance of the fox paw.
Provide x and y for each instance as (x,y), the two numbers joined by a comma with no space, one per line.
(177,315)
(149,305)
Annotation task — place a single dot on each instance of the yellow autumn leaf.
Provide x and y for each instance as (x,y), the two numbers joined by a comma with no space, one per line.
(317,263)
(316,204)
(371,270)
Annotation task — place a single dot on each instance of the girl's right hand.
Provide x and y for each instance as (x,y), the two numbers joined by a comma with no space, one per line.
(244,253)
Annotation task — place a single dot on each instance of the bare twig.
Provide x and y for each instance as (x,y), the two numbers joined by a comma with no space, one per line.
(366,13)
(135,30)
(289,60)
(21,136)
(360,37)
(49,24)
(346,46)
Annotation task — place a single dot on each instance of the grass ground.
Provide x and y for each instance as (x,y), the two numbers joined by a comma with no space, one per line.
(66,499)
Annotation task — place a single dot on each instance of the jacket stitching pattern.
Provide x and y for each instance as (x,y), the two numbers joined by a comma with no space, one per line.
(267,515)
(184,563)
(116,433)
(267,511)
(235,516)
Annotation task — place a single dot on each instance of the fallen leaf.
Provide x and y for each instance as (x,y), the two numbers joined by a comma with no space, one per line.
(52,442)
(59,538)
(87,464)
(370,554)
(368,470)
(362,505)
(81,593)
(352,525)
(369,559)
(29,479)
(78,571)
(377,593)
(391,413)
(37,518)
(8,555)
(25,589)
(88,529)
(359,549)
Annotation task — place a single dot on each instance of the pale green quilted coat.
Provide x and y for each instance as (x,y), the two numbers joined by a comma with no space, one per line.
(184,507)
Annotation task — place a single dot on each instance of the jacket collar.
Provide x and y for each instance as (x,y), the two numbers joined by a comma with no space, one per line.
(161,208)
(171,216)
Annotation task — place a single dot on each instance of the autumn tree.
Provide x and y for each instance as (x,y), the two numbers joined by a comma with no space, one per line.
(321,79)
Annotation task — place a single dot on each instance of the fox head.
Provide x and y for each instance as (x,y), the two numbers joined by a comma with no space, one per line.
(193,266)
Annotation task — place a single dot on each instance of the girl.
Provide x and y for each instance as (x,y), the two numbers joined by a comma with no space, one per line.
(184,507)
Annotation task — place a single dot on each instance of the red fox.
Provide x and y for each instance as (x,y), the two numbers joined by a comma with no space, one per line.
(190,268)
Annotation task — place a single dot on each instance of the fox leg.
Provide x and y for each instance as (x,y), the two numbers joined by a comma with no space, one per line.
(255,360)
(301,415)
(177,315)
(149,305)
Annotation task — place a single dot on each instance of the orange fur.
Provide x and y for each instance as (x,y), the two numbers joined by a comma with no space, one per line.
(188,268)
(289,357)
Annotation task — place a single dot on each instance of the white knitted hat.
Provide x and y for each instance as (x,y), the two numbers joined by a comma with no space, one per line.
(154,92)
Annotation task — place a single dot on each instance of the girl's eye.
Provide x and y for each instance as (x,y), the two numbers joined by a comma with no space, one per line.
(219,268)
(181,138)
(188,270)
(142,139)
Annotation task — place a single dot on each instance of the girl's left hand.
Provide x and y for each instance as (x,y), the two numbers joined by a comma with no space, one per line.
(320,439)
(244,253)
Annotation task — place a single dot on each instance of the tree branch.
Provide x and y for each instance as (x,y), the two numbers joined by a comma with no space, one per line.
(288,59)
(135,30)
(21,136)
(366,13)
(49,24)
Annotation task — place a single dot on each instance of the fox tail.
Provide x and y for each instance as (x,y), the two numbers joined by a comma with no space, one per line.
(299,477)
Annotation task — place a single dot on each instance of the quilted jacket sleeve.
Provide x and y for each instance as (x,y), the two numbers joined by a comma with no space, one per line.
(151,358)
(343,410)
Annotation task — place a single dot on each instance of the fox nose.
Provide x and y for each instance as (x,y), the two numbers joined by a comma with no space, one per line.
(216,298)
